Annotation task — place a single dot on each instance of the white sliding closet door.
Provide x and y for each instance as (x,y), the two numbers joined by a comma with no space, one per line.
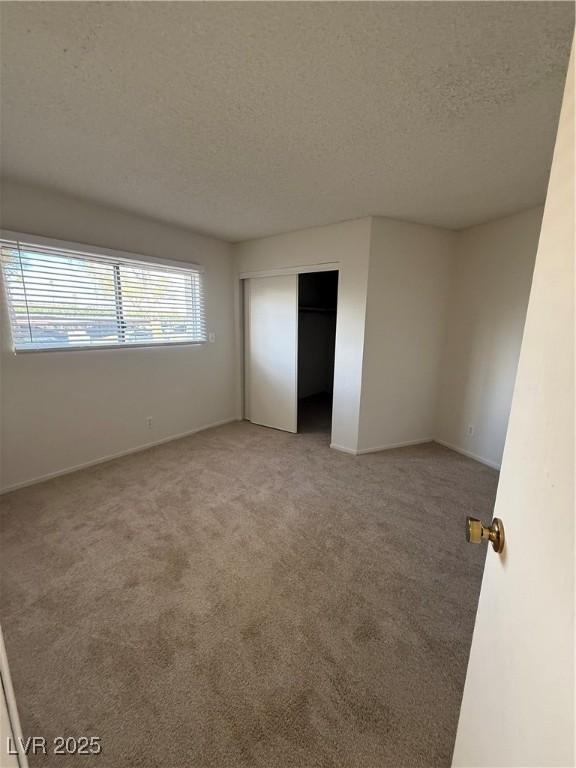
(271,363)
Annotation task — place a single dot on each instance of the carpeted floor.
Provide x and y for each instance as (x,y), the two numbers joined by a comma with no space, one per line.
(246,597)
(315,414)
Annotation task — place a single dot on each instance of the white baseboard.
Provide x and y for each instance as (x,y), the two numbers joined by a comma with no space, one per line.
(469,454)
(376,449)
(111,456)
(145,446)
(388,446)
(343,449)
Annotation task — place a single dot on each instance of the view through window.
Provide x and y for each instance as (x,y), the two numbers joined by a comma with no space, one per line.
(60,298)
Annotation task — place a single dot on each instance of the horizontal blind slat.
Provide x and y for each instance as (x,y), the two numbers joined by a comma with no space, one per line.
(82,273)
(62,298)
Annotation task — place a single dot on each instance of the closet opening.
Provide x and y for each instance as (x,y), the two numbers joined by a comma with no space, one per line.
(317,307)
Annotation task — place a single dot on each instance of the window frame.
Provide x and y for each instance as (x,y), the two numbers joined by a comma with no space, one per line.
(95,251)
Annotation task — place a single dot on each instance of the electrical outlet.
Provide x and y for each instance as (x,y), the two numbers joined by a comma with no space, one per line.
(470,429)
(212,338)
(149,422)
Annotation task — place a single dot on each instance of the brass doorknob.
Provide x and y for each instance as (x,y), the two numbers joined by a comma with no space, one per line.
(476,532)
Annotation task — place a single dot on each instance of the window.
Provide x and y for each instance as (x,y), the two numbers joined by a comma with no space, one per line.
(60,299)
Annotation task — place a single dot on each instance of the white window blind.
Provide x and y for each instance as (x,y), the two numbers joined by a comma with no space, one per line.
(60,298)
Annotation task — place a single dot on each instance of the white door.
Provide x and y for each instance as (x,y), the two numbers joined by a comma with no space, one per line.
(272,351)
(518,704)
(8,743)
(12,754)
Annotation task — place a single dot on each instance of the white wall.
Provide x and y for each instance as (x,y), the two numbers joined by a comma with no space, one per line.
(408,283)
(347,244)
(487,308)
(63,409)
(518,704)
(429,326)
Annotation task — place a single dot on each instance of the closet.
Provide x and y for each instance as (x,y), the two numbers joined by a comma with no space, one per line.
(289,348)
(317,298)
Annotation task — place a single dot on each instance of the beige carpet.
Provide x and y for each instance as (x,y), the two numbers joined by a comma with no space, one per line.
(246,597)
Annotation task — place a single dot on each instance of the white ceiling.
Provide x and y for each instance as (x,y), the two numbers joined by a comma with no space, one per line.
(248,119)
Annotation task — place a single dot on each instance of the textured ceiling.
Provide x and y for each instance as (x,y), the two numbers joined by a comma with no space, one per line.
(248,119)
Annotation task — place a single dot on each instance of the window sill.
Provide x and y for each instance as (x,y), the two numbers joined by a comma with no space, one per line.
(94,347)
